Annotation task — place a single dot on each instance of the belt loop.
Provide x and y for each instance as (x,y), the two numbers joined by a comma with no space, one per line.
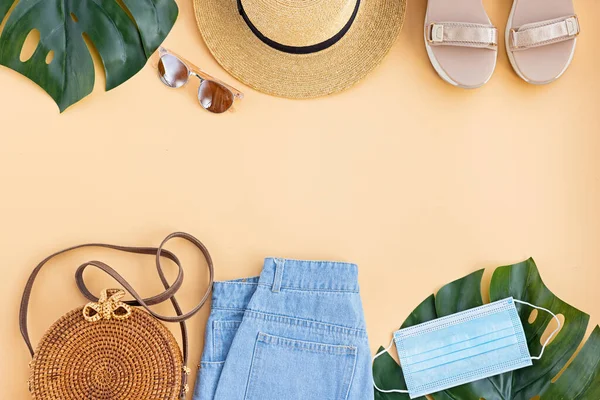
(279,265)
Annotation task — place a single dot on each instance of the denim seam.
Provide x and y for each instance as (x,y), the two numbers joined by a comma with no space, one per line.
(309,347)
(306,322)
(252,369)
(211,362)
(352,375)
(301,289)
(228,308)
(225,324)
(214,340)
(294,288)
(307,350)
(343,263)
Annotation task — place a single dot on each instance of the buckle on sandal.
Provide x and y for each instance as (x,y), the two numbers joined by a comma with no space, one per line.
(573,26)
(435,33)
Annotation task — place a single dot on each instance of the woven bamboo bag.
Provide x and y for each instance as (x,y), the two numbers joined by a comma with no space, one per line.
(109,349)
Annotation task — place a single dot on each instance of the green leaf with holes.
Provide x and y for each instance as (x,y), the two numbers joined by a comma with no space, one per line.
(124,33)
(581,379)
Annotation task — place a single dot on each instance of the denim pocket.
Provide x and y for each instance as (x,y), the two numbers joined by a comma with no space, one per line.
(223,335)
(297,370)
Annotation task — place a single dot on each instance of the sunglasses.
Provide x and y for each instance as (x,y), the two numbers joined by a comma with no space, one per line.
(213,95)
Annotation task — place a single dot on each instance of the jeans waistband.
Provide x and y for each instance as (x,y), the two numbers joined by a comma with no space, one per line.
(285,274)
(331,276)
(235,294)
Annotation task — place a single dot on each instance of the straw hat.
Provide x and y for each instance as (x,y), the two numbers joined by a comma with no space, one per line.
(299,48)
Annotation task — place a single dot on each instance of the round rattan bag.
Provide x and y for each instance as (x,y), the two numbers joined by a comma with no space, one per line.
(108,349)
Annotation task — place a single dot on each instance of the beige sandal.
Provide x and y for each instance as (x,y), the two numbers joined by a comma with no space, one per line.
(461,42)
(540,39)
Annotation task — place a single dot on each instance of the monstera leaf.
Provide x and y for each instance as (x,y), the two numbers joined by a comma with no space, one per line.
(581,379)
(124,32)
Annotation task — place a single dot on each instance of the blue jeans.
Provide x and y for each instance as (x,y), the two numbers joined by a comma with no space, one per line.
(297,332)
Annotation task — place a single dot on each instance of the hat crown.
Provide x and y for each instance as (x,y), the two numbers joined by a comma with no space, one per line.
(299,22)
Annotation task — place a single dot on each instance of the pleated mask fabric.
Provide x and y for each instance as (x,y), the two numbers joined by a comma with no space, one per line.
(464,347)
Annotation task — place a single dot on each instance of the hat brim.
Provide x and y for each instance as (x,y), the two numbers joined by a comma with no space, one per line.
(277,73)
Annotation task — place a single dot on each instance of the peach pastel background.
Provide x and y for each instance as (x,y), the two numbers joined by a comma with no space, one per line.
(417,182)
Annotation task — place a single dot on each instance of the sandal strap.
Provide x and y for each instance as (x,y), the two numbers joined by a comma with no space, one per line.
(462,34)
(544,33)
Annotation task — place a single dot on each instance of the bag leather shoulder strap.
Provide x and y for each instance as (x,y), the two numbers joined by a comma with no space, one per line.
(168,294)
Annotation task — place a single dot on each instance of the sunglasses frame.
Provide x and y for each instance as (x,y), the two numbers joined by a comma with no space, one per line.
(197,72)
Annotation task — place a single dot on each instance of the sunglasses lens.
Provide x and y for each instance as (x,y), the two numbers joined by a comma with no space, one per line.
(215,97)
(172,71)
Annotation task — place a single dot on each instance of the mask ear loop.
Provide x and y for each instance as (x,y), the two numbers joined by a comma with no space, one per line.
(382,352)
(552,334)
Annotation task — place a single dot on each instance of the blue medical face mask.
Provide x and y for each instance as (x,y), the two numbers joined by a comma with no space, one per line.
(463,347)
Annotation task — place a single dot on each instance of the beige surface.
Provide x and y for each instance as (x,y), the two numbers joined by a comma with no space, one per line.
(416,181)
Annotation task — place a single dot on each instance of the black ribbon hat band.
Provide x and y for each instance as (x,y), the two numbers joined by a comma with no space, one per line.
(314,48)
